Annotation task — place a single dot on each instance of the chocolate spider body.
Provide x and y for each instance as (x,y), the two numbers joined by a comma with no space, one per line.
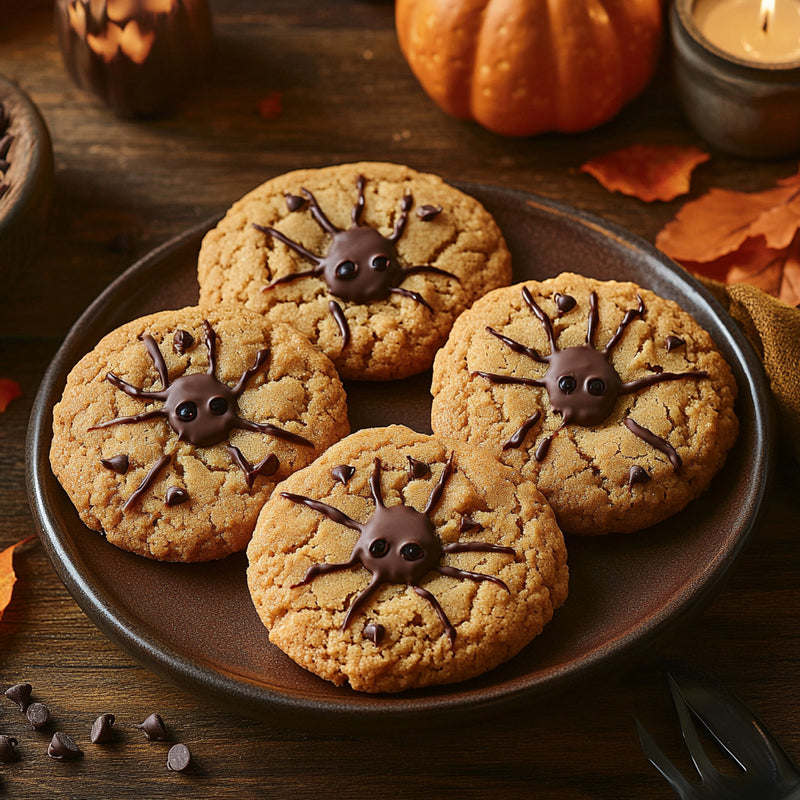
(398,544)
(361,265)
(200,409)
(582,385)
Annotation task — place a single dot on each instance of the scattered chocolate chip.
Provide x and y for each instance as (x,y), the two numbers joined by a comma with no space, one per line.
(62,747)
(20,693)
(182,341)
(7,752)
(638,474)
(118,464)
(673,343)
(564,302)
(468,524)
(102,729)
(417,469)
(343,473)
(153,728)
(175,496)
(294,202)
(38,715)
(427,212)
(178,758)
(374,632)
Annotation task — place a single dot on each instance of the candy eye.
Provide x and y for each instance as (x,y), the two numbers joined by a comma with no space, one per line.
(346,270)
(412,551)
(567,384)
(218,405)
(186,411)
(596,387)
(381,263)
(379,548)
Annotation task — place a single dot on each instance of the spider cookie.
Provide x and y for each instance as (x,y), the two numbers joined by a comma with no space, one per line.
(173,431)
(372,262)
(614,400)
(397,561)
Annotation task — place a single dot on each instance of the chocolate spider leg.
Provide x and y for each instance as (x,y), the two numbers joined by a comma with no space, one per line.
(654,441)
(375,483)
(293,276)
(329,511)
(133,391)
(147,482)
(360,599)
(292,245)
(592,320)
(266,427)
(477,547)
(358,207)
(542,317)
(518,347)
(261,357)
(629,317)
(544,445)
(402,219)
(448,627)
(318,214)
(413,295)
(642,383)
(337,312)
(493,376)
(211,347)
(478,577)
(438,489)
(316,570)
(156,412)
(154,352)
(267,466)
(518,437)
(428,268)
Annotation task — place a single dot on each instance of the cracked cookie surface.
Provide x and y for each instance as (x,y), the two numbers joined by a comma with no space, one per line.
(341,550)
(380,335)
(174,430)
(614,400)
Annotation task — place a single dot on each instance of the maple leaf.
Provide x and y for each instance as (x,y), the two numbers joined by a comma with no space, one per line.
(7,575)
(8,391)
(741,237)
(649,172)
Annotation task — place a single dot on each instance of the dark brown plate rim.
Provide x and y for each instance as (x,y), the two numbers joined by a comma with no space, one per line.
(329,709)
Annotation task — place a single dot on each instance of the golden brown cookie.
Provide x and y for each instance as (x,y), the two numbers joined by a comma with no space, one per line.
(370,261)
(612,399)
(397,560)
(173,431)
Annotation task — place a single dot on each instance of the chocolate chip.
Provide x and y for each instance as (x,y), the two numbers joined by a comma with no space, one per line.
(564,302)
(178,758)
(102,729)
(62,747)
(417,468)
(673,343)
(374,632)
(427,212)
(38,715)
(294,202)
(118,464)
(153,728)
(343,473)
(638,474)
(468,524)
(20,693)
(182,341)
(7,752)
(175,496)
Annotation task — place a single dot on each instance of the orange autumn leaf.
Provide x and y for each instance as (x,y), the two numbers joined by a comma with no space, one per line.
(8,391)
(7,576)
(649,172)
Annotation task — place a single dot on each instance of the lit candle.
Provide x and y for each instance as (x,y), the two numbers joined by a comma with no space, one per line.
(762,31)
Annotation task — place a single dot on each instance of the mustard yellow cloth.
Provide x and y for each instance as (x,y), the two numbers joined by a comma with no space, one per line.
(773,329)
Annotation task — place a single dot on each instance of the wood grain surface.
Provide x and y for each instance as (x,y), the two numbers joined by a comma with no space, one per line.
(124,187)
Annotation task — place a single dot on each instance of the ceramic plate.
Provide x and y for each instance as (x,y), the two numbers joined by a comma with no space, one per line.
(195,624)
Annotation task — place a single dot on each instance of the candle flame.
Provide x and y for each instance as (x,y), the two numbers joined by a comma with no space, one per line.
(767,12)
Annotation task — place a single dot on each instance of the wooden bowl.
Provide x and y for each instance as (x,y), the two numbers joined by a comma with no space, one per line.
(26,176)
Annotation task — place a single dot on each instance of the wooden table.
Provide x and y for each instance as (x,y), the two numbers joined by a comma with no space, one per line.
(122,188)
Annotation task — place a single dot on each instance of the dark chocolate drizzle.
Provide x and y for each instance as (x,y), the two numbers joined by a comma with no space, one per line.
(361,265)
(398,544)
(343,473)
(582,385)
(148,481)
(655,441)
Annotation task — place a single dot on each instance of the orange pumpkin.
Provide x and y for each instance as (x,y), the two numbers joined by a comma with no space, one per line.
(521,67)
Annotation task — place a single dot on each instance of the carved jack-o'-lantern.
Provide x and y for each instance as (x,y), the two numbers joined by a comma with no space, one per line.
(138,56)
